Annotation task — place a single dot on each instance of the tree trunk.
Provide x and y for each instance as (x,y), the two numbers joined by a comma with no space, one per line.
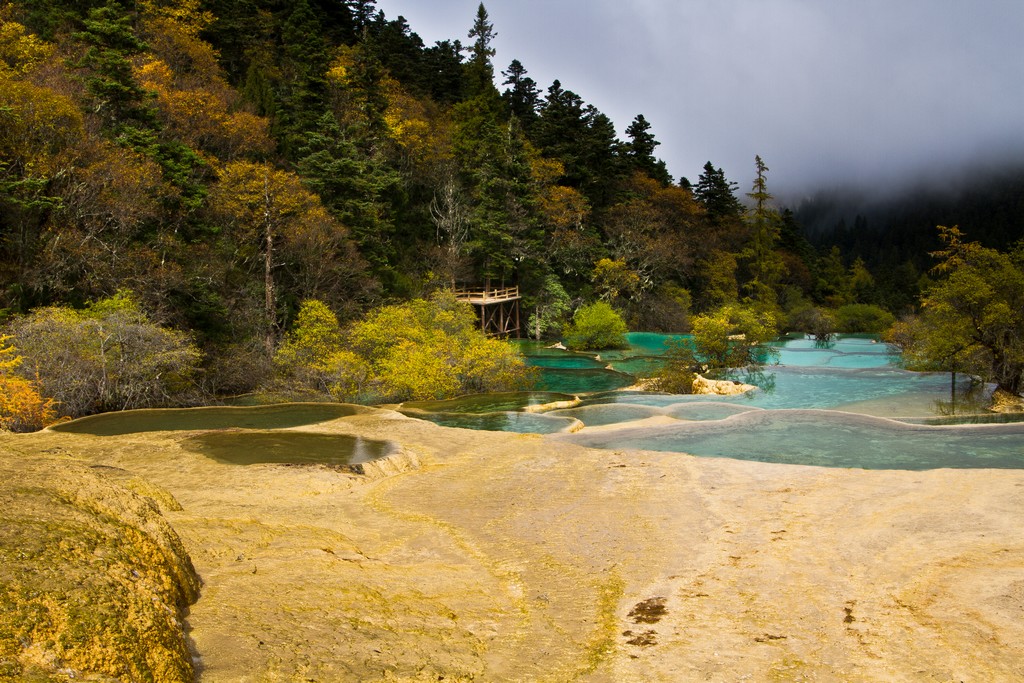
(952,392)
(270,303)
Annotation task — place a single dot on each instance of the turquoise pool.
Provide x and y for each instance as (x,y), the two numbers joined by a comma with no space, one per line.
(826,438)
(841,404)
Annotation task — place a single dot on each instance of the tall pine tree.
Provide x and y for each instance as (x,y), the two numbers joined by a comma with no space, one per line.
(479,69)
(640,151)
(764,263)
(523,96)
(304,65)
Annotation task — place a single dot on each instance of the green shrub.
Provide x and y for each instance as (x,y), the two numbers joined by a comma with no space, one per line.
(863,319)
(677,374)
(418,350)
(734,337)
(820,323)
(106,357)
(595,327)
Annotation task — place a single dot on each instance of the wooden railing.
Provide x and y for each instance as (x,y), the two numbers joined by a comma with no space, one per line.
(487,295)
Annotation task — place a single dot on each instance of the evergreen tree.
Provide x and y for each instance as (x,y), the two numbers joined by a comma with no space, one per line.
(523,97)
(560,128)
(443,69)
(584,141)
(717,194)
(504,235)
(243,32)
(364,78)
(399,51)
(258,91)
(124,106)
(479,69)
(361,13)
(724,229)
(304,84)
(764,263)
(119,99)
(640,150)
(798,254)
(833,285)
(355,187)
(601,160)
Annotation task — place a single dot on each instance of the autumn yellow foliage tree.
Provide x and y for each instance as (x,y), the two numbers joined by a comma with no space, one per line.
(282,230)
(22,407)
(432,349)
(421,349)
(313,360)
(200,115)
(20,50)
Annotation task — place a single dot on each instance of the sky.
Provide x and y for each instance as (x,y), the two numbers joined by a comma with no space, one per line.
(830,93)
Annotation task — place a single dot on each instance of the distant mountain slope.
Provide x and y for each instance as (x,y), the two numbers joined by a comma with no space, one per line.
(887,227)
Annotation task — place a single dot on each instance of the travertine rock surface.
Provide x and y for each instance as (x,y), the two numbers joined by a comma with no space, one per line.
(506,557)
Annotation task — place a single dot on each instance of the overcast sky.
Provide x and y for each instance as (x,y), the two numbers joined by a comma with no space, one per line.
(826,91)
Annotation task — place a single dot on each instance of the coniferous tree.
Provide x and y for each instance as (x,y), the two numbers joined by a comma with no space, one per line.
(479,69)
(717,194)
(601,159)
(584,141)
(798,255)
(125,107)
(399,51)
(443,69)
(304,84)
(243,33)
(560,127)
(765,265)
(362,13)
(523,97)
(258,91)
(119,99)
(640,150)
(354,187)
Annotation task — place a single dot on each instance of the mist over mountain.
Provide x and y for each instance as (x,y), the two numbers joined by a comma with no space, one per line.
(889,224)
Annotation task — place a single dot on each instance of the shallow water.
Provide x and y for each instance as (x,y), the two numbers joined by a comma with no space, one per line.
(841,404)
(277,416)
(245,447)
(489,403)
(826,438)
(815,407)
(533,423)
(522,412)
(583,381)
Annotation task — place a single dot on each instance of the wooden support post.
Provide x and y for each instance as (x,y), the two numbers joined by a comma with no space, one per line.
(498,308)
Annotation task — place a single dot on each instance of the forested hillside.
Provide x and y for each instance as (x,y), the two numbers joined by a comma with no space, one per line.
(225,161)
(893,231)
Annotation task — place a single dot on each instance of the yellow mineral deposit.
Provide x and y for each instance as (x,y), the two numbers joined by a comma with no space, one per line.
(497,557)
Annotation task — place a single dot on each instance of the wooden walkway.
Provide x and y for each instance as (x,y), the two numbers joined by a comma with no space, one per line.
(497,308)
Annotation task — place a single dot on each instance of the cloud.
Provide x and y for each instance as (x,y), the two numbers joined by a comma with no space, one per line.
(826,91)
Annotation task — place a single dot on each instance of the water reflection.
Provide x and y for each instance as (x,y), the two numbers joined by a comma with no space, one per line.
(534,423)
(245,447)
(277,416)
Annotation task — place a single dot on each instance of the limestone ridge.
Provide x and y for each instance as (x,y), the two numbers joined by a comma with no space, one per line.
(93,579)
